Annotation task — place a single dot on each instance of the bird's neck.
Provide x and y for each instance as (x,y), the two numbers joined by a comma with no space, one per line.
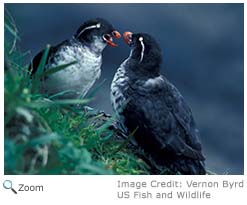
(96,46)
(141,70)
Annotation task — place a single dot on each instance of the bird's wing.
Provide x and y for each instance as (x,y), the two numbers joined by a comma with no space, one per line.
(35,63)
(36,60)
(163,125)
(183,114)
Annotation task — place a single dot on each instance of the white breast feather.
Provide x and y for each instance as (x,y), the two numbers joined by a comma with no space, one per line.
(78,77)
(151,82)
(118,87)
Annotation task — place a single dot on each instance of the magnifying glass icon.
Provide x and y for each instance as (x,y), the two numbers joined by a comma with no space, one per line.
(7,184)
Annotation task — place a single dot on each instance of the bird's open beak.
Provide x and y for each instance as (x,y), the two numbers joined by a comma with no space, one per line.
(127,35)
(109,40)
(116,34)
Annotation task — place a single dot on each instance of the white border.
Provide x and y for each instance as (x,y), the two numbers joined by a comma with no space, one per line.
(102,189)
(123,1)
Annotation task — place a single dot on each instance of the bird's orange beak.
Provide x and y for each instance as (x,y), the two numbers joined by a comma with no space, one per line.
(116,34)
(108,38)
(127,35)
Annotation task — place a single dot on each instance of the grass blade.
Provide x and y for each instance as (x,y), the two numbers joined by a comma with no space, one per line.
(62,93)
(49,103)
(55,69)
(95,89)
(10,30)
(42,63)
(36,80)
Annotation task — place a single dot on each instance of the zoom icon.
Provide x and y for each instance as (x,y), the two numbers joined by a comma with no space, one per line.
(7,184)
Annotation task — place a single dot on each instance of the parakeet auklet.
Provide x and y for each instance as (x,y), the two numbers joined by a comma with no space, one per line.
(86,48)
(152,108)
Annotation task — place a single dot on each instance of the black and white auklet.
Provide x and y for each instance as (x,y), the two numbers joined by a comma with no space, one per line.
(149,106)
(86,48)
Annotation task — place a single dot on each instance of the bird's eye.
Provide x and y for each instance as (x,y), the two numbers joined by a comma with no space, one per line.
(98,25)
(141,38)
(107,37)
(114,33)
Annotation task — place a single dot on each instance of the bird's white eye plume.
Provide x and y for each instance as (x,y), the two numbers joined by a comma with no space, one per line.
(98,25)
(143,48)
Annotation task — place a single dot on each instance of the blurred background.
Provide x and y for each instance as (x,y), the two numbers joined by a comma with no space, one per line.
(203,56)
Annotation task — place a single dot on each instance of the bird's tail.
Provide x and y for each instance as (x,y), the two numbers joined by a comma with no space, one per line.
(188,166)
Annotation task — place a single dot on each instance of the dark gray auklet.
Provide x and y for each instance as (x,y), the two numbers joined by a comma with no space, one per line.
(149,106)
(86,48)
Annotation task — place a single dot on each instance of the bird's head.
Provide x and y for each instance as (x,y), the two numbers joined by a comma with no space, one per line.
(98,33)
(145,52)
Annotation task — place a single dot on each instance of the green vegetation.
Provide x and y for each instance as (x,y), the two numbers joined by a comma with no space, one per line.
(44,135)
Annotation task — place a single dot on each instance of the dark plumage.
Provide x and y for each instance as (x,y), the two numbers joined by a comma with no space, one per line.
(85,47)
(147,103)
